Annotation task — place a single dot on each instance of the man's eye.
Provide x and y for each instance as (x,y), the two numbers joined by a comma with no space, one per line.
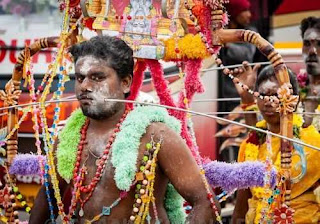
(306,43)
(95,78)
(80,78)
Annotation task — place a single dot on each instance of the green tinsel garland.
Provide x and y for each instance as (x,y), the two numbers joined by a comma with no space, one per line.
(124,151)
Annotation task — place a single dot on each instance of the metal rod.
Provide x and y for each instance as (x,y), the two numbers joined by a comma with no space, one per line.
(191,112)
(250,64)
(217,118)
(217,100)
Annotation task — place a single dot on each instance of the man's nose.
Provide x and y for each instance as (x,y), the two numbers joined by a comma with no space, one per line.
(312,50)
(86,85)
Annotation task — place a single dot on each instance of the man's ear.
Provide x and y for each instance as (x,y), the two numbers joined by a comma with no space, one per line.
(126,83)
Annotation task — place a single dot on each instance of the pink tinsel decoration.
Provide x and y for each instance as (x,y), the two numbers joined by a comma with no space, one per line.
(192,85)
(160,83)
(137,80)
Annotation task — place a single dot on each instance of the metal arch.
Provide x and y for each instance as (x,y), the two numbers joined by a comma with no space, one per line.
(84,8)
(164,9)
(107,8)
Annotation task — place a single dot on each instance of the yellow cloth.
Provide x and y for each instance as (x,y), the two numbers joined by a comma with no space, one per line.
(307,210)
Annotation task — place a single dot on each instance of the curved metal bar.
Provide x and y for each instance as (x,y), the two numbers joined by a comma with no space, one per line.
(164,9)
(107,8)
(84,8)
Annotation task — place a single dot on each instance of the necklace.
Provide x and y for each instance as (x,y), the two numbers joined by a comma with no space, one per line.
(89,189)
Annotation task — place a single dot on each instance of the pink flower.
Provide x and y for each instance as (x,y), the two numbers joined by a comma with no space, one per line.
(302,78)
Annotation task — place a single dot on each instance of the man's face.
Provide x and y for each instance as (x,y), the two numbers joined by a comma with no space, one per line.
(244,19)
(269,87)
(95,82)
(311,51)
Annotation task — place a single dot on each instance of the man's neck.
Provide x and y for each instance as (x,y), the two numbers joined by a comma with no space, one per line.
(107,123)
(314,79)
(274,128)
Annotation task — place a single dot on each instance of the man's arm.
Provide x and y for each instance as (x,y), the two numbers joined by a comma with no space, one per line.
(178,164)
(40,212)
(241,207)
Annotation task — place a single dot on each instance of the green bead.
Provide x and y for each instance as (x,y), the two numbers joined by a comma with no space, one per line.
(19,196)
(148,146)
(141,168)
(15,189)
(138,186)
(145,158)
(136,196)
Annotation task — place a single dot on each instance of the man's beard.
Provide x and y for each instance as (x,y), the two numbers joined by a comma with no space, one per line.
(101,111)
(313,70)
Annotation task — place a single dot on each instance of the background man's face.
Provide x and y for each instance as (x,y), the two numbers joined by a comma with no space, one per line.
(96,81)
(311,51)
(243,19)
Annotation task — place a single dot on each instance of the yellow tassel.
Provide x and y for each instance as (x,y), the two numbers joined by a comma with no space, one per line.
(317,194)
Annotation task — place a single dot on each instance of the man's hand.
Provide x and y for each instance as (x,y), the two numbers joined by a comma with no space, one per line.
(248,76)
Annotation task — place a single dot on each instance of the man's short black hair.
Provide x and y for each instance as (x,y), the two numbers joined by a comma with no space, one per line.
(309,22)
(113,50)
(268,72)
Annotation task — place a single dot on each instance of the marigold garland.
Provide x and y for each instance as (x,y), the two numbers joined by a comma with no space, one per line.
(190,46)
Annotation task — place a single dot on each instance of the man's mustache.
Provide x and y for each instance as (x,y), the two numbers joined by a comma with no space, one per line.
(312,59)
(84,96)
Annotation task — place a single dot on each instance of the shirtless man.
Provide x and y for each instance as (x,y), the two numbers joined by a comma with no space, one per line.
(103,70)
(310,33)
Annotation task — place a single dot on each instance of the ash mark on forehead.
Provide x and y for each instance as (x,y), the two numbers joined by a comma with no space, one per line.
(87,62)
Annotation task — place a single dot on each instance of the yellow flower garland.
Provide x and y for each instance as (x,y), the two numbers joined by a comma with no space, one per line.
(190,47)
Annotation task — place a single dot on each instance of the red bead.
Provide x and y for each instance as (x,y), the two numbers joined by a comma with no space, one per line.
(104,157)
(108,146)
(177,50)
(121,17)
(40,88)
(209,195)
(77,164)
(97,175)
(117,17)
(129,18)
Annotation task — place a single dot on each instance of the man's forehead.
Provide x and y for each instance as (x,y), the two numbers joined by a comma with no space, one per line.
(88,59)
(312,34)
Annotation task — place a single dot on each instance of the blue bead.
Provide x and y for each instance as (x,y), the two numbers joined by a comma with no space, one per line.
(46,167)
(56,109)
(61,68)
(106,210)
